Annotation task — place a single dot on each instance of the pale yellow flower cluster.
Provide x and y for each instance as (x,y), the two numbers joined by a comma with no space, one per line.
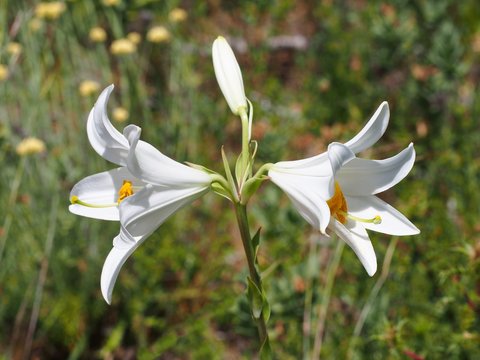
(177,15)
(29,146)
(35,24)
(50,10)
(111,2)
(3,72)
(14,48)
(158,34)
(97,34)
(88,88)
(120,114)
(134,37)
(123,47)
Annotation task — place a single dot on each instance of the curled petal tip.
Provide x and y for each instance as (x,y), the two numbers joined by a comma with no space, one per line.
(371,268)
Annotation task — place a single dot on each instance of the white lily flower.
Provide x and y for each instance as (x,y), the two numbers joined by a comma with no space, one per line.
(229,75)
(142,193)
(336,190)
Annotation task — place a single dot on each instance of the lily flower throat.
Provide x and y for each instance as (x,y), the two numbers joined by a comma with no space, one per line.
(339,209)
(125,191)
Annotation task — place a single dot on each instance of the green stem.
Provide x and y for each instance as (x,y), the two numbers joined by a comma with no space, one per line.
(241,213)
(245,141)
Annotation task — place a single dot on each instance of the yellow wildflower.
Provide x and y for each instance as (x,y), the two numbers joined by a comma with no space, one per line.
(122,47)
(88,88)
(120,114)
(14,48)
(3,72)
(111,2)
(158,34)
(177,15)
(35,24)
(50,10)
(134,37)
(29,146)
(97,34)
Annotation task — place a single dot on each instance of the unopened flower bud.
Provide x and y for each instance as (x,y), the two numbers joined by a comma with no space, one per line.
(229,75)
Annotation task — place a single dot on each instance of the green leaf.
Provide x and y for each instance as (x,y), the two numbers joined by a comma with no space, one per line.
(228,172)
(251,186)
(256,243)
(256,298)
(238,170)
(266,306)
(266,350)
(220,190)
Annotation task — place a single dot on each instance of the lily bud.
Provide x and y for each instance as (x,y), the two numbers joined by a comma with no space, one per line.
(228,75)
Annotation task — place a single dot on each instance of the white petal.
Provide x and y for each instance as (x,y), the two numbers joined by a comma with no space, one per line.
(308,194)
(150,165)
(393,222)
(314,162)
(357,238)
(228,74)
(369,135)
(115,260)
(339,155)
(372,131)
(140,216)
(366,177)
(107,141)
(101,189)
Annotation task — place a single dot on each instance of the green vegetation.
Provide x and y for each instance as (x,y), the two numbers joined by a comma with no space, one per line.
(182,294)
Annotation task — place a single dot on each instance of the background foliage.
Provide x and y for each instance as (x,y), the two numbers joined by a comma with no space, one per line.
(315,71)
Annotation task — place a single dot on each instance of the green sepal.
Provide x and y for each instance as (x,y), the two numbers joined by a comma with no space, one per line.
(220,190)
(256,243)
(266,350)
(239,169)
(201,168)
(251,186)
(256,299)
(228,172)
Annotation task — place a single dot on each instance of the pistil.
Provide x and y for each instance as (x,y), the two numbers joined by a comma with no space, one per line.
(338,208)
(125,191)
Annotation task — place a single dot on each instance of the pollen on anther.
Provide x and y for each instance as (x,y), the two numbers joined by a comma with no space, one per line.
(125,190)
(74,199)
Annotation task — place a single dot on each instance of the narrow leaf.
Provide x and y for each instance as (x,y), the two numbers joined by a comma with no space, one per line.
(220,190)
(250,187)
(256,243)
(256,299)
(266,306)
(228,172)
(266,350)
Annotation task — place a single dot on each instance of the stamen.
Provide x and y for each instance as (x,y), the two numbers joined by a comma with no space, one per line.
(75,200)
(125,191)
(375,220)
(338,204)
(338,209)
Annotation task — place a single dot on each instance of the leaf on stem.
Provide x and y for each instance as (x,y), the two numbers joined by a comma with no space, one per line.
(266,350)
(228,173)
(255,297)
(256,243)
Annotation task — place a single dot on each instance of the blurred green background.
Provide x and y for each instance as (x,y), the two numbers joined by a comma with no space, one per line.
(315,72)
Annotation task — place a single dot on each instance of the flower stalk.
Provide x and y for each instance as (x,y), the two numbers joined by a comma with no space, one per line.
(242,219)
